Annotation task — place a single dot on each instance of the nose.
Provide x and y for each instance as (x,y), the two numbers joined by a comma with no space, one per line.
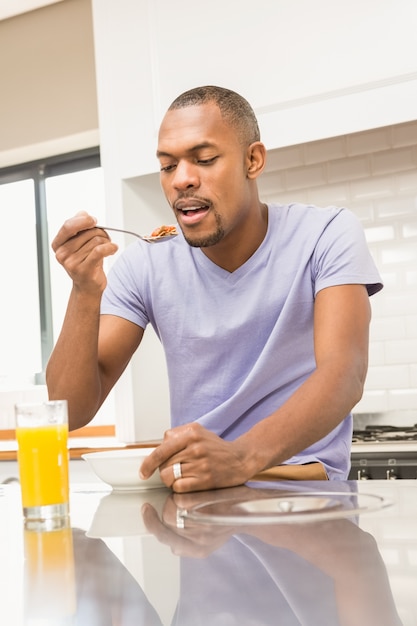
(185,176)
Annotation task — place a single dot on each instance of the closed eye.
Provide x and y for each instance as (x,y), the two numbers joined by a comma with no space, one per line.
(206,161)
(167,168)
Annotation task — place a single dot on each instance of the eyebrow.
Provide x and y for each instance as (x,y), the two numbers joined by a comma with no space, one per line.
(196,148)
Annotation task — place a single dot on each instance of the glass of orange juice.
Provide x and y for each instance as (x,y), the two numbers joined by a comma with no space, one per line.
(42,439)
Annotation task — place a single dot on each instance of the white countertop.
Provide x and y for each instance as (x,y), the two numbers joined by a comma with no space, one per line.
(133,559)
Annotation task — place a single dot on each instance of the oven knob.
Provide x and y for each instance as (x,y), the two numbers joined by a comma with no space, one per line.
(391,475)
(363,475)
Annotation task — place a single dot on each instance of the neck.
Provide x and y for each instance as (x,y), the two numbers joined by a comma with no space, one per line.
(237,247)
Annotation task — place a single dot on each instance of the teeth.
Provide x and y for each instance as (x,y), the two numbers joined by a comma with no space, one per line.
(197,208)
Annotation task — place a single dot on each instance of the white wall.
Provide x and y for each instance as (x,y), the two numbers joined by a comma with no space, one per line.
(374,173)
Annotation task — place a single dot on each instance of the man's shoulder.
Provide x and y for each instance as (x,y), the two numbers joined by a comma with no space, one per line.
(298,211)
(296,218)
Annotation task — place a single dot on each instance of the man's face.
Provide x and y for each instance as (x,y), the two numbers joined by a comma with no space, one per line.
(203,173)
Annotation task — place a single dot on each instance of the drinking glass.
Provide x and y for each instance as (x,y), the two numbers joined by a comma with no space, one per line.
(42,438)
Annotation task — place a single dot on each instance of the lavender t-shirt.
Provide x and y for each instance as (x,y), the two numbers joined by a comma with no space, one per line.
(239,344)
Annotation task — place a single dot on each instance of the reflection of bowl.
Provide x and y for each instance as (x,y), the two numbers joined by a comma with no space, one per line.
(119,514)
(120,468)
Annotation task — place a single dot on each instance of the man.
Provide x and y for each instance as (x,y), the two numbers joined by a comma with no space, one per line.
(263,311)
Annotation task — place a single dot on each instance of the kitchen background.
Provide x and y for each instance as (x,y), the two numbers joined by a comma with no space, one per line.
(337,110)
(374,173)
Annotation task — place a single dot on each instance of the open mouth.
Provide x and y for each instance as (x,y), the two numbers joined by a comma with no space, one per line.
(194,211)
(190,210)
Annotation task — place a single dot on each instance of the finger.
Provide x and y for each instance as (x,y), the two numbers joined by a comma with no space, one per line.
(91,245)
(85,265)
(174,442)
(71,227)
(189,485)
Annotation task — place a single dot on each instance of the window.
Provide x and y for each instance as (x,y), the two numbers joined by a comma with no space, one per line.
(35,200)
(20,311)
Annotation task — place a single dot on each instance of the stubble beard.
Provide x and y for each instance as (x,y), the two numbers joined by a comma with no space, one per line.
(209,240)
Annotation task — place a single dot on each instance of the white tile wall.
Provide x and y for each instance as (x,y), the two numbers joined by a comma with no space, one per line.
(373,173)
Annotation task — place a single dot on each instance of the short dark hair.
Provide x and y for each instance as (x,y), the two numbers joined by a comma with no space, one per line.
(234,109)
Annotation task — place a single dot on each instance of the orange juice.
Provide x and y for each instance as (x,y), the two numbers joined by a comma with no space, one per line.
(43,464)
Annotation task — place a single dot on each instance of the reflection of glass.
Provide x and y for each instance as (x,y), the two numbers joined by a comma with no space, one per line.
(49,582)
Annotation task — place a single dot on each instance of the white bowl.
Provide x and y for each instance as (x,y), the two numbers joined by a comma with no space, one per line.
(120,468)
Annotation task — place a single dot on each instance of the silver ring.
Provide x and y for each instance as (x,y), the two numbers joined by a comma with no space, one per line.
(176,468)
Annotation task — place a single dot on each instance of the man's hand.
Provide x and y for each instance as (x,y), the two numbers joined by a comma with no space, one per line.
(80,248)
(207,461)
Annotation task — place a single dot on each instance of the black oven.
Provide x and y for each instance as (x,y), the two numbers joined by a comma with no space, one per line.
(384,453)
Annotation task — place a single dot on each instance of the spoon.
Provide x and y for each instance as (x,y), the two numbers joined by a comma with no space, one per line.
(148,238)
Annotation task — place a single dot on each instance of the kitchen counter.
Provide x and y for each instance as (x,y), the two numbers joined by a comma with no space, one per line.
(158,558)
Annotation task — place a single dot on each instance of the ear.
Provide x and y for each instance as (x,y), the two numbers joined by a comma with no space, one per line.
(255,159)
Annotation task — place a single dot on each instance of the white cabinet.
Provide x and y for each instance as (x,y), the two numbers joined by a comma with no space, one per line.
(310,69)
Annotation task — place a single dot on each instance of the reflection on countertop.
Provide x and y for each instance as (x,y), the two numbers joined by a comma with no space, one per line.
(144,558)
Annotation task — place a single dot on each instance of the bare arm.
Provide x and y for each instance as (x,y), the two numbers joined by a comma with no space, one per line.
(92,350)
(341,339)
(341,330)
